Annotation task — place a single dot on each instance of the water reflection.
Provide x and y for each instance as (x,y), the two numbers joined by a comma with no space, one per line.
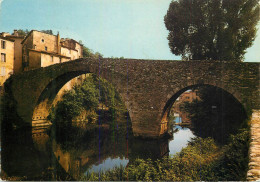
(181,139)
(41,154)
(108,164)
(53,153)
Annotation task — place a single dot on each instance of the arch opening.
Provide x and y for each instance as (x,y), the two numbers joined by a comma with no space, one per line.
(208,110)
(55,90)
(48,95)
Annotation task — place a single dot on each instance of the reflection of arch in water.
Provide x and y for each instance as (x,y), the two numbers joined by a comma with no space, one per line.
(76,161)
(172,99)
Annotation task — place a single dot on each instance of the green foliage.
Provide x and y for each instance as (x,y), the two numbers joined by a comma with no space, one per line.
(89,94)
(201,160)
(212,29)
(88,53)
(87,97)
(143,170)
(47,31)
(233,164)
(23,32)
(74,101)
(192,163)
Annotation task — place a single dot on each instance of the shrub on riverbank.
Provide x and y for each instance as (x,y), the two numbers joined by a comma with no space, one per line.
(202,160)
(83,102)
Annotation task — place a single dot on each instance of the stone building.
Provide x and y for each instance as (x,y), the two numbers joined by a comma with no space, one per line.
(187,96)
(7,58)
(37,49)
(71,48)
(40,49)
(17,50)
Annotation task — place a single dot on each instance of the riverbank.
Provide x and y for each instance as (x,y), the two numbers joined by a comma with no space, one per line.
(202,160)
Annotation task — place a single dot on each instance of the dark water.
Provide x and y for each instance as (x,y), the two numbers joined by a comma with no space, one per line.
(68,153)
(53,154)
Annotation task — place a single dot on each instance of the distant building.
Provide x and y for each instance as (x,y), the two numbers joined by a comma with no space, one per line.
(187,96)
(40,49)
(7,58)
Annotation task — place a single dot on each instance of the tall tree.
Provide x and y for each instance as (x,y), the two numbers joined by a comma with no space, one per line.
(212,29)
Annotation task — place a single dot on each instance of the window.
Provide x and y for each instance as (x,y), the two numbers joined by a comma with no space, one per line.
(3,57)
(42,40)
(34,46)
(3,44)
(46,48)
(51,58)
(2,71)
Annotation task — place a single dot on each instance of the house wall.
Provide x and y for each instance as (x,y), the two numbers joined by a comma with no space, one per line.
(34,60)
(42,40)
(6,68)
(79,49)
(63,60)
(27,44)
(47,60)
(73,54)
(17,54)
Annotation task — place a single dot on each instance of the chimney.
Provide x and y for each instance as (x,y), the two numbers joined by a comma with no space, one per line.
(15,33)
(58,43)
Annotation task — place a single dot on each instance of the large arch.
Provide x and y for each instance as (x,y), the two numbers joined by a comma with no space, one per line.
(49,96)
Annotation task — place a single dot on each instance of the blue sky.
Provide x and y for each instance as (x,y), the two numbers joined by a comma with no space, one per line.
(128,28)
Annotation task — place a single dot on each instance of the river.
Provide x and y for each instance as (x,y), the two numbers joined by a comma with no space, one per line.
(47,154)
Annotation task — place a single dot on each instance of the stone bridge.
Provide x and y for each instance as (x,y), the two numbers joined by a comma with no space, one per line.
(147,87)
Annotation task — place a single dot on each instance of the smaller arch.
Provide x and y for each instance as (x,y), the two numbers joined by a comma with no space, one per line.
(167,107)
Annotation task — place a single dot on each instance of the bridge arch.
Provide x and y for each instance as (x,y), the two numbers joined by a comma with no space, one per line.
(146,86)
(172,97)
(50,93)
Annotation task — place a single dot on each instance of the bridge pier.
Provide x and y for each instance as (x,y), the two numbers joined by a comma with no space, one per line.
(253,173)
(146,125)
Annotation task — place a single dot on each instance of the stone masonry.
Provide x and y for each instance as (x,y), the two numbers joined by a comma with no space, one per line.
(147,87)
(254,152)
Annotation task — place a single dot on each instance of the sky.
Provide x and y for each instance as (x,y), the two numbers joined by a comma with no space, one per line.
(115,28)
